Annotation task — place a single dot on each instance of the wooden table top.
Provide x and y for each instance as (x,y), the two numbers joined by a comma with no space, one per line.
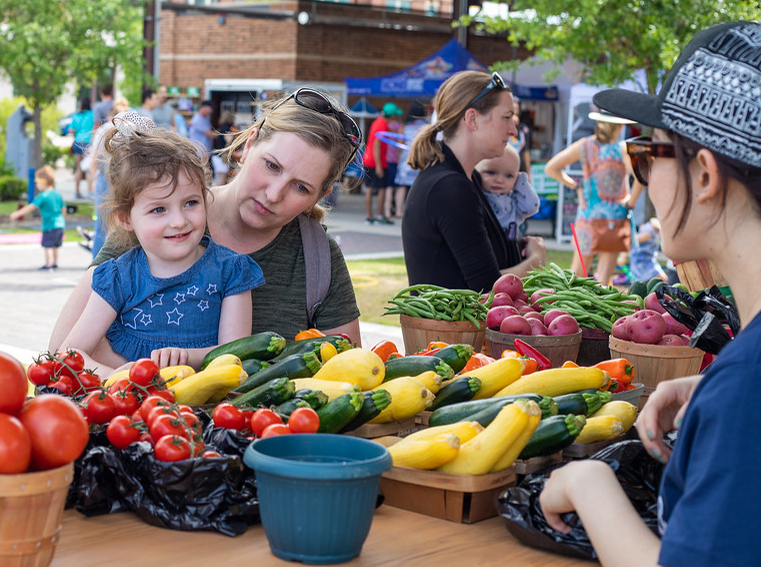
(397,537)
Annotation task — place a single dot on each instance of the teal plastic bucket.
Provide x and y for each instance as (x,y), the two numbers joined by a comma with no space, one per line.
(317,493)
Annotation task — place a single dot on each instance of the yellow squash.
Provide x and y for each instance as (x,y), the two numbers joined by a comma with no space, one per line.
(224,360)
(409,397)
(327,351)
(519,444)
(168,373)
(464,430)
(199,388)
(425,454)
(357,366)
(600,428)
(481,453)
(330,388)
(430,380)
(497,375)
(624,411)
(557,381)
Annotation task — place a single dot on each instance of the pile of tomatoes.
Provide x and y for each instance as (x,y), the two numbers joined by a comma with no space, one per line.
(66,373)
(264,422)
(41,433)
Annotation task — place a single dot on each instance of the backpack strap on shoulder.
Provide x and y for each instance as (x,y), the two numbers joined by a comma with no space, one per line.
(317,263)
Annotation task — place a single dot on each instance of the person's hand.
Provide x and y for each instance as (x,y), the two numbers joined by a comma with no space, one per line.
(582,203)
(535,250)
(169,356)
(557,497)
(14,215)
(663,412)
(379,171)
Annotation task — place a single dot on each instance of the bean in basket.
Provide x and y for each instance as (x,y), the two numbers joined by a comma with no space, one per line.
(438,303)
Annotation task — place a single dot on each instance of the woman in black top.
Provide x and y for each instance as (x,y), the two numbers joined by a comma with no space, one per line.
(450,235)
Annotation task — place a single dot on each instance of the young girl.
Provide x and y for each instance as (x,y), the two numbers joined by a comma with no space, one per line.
(175,294)
(510,195)
(643,257)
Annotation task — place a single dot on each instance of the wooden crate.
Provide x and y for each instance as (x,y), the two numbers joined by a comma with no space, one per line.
(398,428)
(457,498)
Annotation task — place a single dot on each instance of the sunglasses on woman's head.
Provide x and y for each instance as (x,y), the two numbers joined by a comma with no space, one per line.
(318,102)
(497,82)
(642,151)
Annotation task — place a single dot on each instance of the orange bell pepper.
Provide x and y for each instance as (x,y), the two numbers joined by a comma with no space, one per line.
(436,345)
(618,369)
(569,364)
(309,334)
(530,365)
(477,360)
(385,349)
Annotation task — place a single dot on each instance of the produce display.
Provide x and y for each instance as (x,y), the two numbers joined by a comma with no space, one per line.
(652,325)
(434,302)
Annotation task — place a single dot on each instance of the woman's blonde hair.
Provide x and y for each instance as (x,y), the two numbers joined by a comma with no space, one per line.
(606,132)
(322,131)
(452,100)
(139,159)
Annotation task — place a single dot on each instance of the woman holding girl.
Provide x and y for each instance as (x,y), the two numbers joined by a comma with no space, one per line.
(289,160)
(450,234)
(703,165)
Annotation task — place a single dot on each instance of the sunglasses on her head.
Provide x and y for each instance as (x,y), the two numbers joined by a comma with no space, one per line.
(497,82)
(318,102)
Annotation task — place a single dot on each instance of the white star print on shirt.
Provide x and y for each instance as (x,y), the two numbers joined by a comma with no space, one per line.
(203,305)
(130,319)
(146,319)
(192,290)
(212,289)
(179,298)
(159,298)
(172,320)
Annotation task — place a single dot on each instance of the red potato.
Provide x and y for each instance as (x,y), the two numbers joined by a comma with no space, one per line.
(495,315)
(671,340)
(539,294)
(563,325)
(523,296)
(501,298)
(552,314)
(619,329)
(674,327)
(515,325)
(526,309)
(509,284)
(646,326)
(518,303)
(651,302)
(537,327)
(534,315)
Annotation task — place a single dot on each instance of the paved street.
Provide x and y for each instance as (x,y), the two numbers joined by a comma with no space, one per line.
(30,299)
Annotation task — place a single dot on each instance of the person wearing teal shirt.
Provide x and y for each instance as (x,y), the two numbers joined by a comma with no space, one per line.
(52,210)
(82,124)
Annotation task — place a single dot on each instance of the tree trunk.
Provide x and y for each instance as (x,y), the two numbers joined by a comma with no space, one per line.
(37,144)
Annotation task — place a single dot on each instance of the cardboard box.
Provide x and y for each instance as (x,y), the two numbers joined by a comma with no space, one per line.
(457,498)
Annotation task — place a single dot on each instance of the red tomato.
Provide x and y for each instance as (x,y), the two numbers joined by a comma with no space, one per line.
(74,361)
(172,448)
(57,429)
(167,424)
(65,384)
(126,402)
(146,436)
(274,430)
(98,407)
(304,420)
(88,380)
(13,384)
(228,416)
(210,455)
(15,446)
(191,421)
(262,418)
(40,373)
(152,402)
(142,371)
(166,394)
(122,431)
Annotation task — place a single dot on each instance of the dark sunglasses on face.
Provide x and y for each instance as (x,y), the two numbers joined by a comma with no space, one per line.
(318,102)
(497,82)
(642,151)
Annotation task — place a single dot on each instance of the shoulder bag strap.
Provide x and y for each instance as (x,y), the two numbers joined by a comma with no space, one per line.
(317,263)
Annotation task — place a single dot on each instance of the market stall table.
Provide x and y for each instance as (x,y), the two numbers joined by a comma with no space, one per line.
(397,537)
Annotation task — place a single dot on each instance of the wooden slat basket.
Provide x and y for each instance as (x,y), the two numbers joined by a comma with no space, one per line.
(418,332)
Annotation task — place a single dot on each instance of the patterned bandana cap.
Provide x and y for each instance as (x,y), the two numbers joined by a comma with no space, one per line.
(130,121)
(712,95)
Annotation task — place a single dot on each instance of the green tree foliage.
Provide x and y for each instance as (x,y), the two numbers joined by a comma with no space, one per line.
(611,38)
(44,44)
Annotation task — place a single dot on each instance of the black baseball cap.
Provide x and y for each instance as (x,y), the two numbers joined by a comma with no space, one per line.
(712,95)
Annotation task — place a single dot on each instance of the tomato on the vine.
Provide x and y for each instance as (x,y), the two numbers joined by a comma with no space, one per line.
(209,454)
(40,373)
(98,407)
(304,420)
(152,402)
(167,424)
(143,371)
(172,448)
(13,384)
(274,430)
(126,402)
(88,380)
(166,394)
(57,429)
(15,446)
(122,431)
(262,418)
(65,385)
(229,416)
(74,361)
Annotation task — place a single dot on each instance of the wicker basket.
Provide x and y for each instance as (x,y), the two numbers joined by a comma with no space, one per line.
(558,349)
(31,507)
(655,363)
(418,332)
(594,347)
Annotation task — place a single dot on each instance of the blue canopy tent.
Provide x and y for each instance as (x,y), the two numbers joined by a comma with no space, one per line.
(422,79)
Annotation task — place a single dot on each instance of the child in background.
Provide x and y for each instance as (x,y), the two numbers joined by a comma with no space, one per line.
(53,212)
(176,294)
(508,191)
(643,257)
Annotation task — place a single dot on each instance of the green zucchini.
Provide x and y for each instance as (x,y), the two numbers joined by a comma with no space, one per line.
(285,409)
(271,393)
(338,412)
(456,356)
(581,403)
(461,390)
(375,402)
(417,364)
(263,346)
(552,435)
(253,365)
(314,398)
(488,413)
(295,366)
(638,288)
(464,411)
(313,345)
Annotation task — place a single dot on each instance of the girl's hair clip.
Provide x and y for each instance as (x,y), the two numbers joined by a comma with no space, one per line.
(130,121)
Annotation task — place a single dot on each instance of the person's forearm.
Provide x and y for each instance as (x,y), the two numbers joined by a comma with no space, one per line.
(350,329)
(71,311)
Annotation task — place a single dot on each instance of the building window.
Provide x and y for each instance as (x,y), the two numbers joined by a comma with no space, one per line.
(401,5)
